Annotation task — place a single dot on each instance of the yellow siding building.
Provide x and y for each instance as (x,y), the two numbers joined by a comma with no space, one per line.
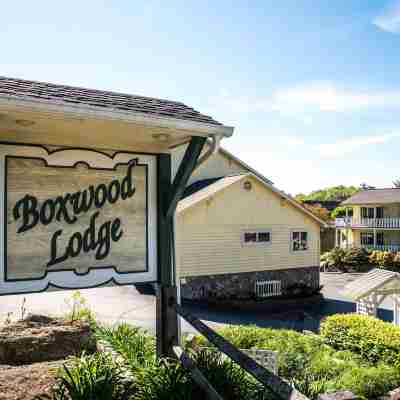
(234,228)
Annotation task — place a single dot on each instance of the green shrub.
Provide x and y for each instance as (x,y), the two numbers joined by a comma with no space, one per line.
(314,367)
(334,259)
(136,347)
(373,339)
(385,259)
(93,377)
(356,257)
(368,382)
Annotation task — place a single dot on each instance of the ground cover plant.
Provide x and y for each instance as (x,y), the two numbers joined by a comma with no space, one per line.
(315,367)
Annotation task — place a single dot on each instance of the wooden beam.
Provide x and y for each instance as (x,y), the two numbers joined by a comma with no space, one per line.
(166,318)
(267,378)
(186,168)
(196,374)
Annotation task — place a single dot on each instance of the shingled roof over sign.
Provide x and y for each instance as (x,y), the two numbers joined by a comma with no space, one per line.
(20,89)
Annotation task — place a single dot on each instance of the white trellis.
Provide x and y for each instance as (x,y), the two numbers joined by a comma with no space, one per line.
(370,290)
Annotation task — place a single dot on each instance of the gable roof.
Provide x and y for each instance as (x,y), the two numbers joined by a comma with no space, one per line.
(375,196)
(207,189)
(20,89)
(376,279)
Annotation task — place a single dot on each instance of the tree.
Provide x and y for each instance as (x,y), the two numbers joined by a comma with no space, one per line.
(334,193)
(320,212)
(396,183)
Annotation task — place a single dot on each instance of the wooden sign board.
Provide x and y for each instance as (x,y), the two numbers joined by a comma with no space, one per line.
(76,218)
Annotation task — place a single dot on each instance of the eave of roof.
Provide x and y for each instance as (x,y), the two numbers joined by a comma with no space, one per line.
(40,96)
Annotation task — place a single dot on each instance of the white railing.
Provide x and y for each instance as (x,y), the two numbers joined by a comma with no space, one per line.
(387,222)
(383,247)
(268,288)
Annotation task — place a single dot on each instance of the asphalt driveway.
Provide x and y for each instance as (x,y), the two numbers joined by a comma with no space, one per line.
(114,305)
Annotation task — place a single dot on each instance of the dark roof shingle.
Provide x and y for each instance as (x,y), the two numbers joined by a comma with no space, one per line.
(24,89)
(375,196)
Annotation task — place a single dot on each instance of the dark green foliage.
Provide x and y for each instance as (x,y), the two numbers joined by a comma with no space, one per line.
(314,367)
(356,257)
(359,259)
(135,345)
(375,340)
(334,259)
(301,290)
(334,193)
(167,379)
(93,377)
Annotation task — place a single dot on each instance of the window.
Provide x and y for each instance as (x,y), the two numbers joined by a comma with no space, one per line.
(299,241)
(256,237)
(367,212)
(367,238)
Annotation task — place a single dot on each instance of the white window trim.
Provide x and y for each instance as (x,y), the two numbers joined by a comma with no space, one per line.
(258,244)
(291,240)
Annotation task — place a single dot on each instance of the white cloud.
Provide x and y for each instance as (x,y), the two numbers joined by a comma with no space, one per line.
(309,98)
(347,146)
(389,19)
(327,97)
(291,141)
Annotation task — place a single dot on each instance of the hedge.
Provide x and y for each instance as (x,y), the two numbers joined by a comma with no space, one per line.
(374,340)
(314,367)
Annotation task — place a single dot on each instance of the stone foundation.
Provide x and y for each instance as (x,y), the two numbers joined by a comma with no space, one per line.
(241,285)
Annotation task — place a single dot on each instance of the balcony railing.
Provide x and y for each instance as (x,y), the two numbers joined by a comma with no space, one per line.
(383,247)
(387,222)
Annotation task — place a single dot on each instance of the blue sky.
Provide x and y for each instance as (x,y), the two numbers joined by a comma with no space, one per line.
(312,87)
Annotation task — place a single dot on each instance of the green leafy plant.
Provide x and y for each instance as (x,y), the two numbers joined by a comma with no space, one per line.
(93,377)
(313,366)
(136,347)
(383,259)
(356,257)
(334,259)
(374,340)
(78,309)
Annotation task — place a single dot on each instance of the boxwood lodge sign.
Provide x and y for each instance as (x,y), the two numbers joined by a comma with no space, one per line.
(76,218)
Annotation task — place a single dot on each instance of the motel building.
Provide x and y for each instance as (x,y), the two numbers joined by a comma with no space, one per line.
(372,220)
(238,235)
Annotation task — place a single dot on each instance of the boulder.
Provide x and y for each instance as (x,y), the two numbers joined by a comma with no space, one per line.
(39,338)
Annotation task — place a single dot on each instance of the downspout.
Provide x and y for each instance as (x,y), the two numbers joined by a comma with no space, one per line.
(213,149)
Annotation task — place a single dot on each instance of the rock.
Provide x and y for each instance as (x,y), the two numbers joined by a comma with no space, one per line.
(40,338)
(344,395)
(394,394)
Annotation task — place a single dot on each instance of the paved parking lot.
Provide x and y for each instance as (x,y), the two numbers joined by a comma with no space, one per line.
(125,304)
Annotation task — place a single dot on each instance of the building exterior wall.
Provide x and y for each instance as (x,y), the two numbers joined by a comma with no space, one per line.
(208,235)
(242,285)
(215,167)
